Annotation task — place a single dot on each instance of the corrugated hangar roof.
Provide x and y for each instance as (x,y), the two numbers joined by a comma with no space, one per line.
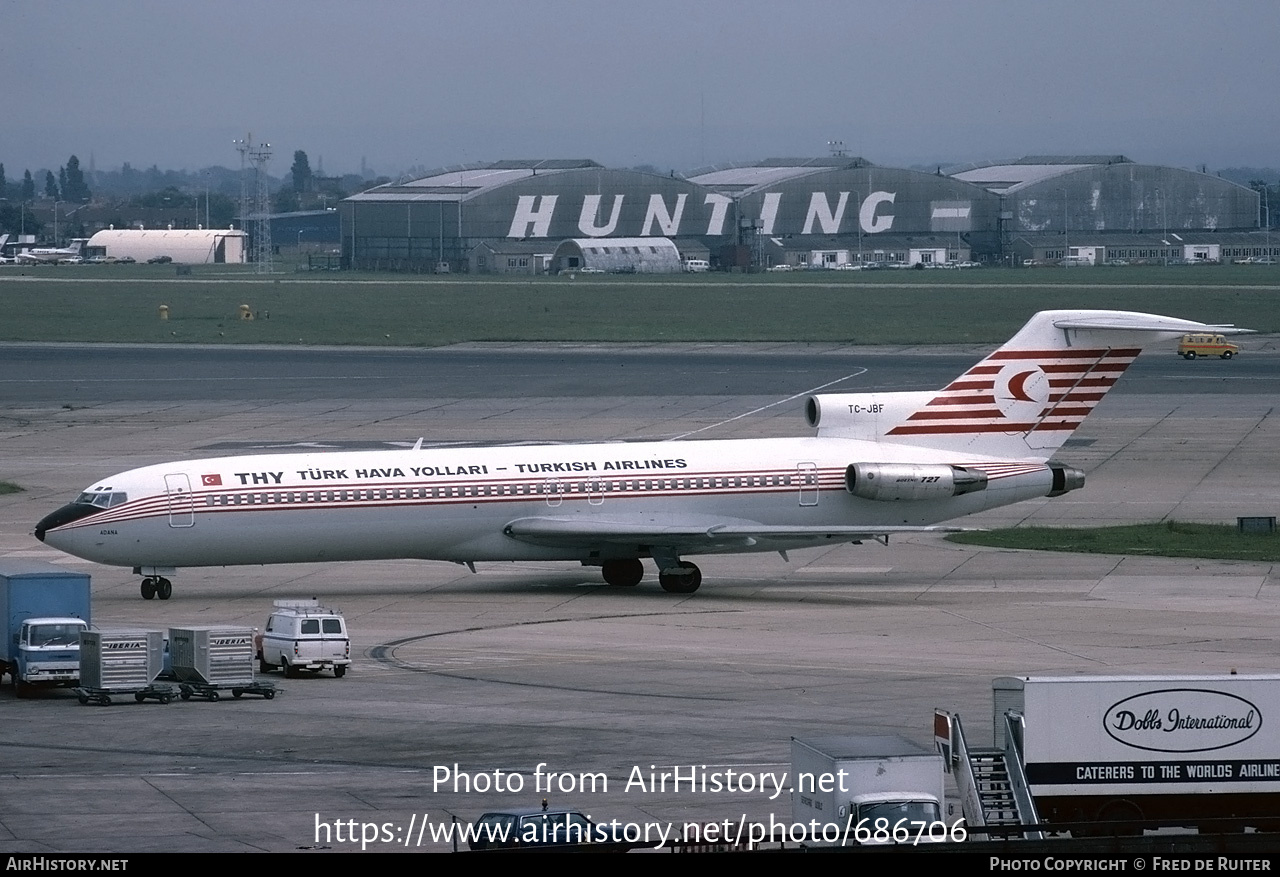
(621,255)
(463,181)
(741,177)
(182,245)
(1014,174)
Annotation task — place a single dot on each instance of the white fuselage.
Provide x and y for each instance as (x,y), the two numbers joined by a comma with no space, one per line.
(881,463)
(48,254)
(456,504)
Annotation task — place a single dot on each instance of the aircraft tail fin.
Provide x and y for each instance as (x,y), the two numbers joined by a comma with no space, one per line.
(1025,399)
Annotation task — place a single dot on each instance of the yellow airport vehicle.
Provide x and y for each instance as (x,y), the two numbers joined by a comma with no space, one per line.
(1203,344)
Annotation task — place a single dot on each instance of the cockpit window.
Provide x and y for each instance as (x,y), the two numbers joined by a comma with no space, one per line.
(103,499)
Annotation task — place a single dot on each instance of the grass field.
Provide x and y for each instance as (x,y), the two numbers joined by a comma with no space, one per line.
(120,304)
(1169,539)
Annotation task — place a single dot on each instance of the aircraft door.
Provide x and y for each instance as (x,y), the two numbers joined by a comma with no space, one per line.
(807,474)
(595,492)
(182,512)
(553,490)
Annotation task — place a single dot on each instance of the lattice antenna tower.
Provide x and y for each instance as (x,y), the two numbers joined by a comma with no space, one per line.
(260,155)
(242,147)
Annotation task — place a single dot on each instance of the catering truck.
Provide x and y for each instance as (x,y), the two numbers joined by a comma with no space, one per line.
(867,789)
(1199,751)
(44,608)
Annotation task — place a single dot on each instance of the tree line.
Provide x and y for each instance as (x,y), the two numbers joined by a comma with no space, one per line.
(214,191)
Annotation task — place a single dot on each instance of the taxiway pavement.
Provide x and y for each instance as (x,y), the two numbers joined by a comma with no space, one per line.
(522,664)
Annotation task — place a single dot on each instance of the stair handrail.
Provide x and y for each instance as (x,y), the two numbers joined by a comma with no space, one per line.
(966,782)
(1015,726)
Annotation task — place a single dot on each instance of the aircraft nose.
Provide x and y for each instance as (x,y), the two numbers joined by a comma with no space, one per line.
(65,515)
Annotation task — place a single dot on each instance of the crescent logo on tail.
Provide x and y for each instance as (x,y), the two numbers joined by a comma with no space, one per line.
(1021,393)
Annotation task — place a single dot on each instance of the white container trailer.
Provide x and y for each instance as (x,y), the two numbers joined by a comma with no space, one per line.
(842,783)
(120,659)
(1174,748)
(215,656)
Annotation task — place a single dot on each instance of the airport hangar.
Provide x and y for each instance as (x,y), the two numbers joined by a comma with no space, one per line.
(192,246)
(511,216)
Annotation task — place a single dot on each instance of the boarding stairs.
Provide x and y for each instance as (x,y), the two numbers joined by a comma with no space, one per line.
(993,788)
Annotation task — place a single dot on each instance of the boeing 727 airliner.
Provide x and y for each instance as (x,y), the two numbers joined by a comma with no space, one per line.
(880,464)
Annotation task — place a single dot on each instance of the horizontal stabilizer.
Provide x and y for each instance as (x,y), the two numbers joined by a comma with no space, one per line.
(1135,322)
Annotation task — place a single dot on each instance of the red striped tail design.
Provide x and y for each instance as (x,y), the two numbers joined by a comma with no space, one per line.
(1021,391)
(1028,396)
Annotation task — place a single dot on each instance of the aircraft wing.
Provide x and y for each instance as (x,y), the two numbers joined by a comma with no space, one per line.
(689,533)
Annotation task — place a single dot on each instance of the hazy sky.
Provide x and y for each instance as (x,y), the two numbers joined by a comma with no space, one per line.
(673,84)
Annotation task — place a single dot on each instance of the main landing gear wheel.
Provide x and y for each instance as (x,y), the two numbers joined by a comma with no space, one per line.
(623,573)
(153,587)
(684,580)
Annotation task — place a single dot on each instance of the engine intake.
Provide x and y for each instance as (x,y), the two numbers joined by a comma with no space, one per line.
(905,482)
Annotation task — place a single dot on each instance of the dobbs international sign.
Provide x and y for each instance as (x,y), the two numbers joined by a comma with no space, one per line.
(1182,720)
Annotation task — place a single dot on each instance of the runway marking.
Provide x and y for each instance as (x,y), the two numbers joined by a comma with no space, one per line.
(1180,377)
(385,654)
(846,570)
(630,283)
(193,380)
(1025,639)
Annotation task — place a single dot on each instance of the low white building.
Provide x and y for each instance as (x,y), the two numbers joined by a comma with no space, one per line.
(618,256)
(190,246)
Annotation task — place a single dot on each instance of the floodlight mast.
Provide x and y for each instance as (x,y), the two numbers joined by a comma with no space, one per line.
(260,155)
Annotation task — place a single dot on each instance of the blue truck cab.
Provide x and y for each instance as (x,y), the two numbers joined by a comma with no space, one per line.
(44,608)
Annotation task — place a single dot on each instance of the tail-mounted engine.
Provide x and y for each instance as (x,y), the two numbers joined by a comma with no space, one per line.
(896,482)
(1065,479)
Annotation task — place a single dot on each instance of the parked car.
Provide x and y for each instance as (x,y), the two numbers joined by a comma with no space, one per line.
(160,260)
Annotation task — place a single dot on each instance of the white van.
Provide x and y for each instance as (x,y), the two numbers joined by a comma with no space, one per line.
(696,266)
(303,635)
